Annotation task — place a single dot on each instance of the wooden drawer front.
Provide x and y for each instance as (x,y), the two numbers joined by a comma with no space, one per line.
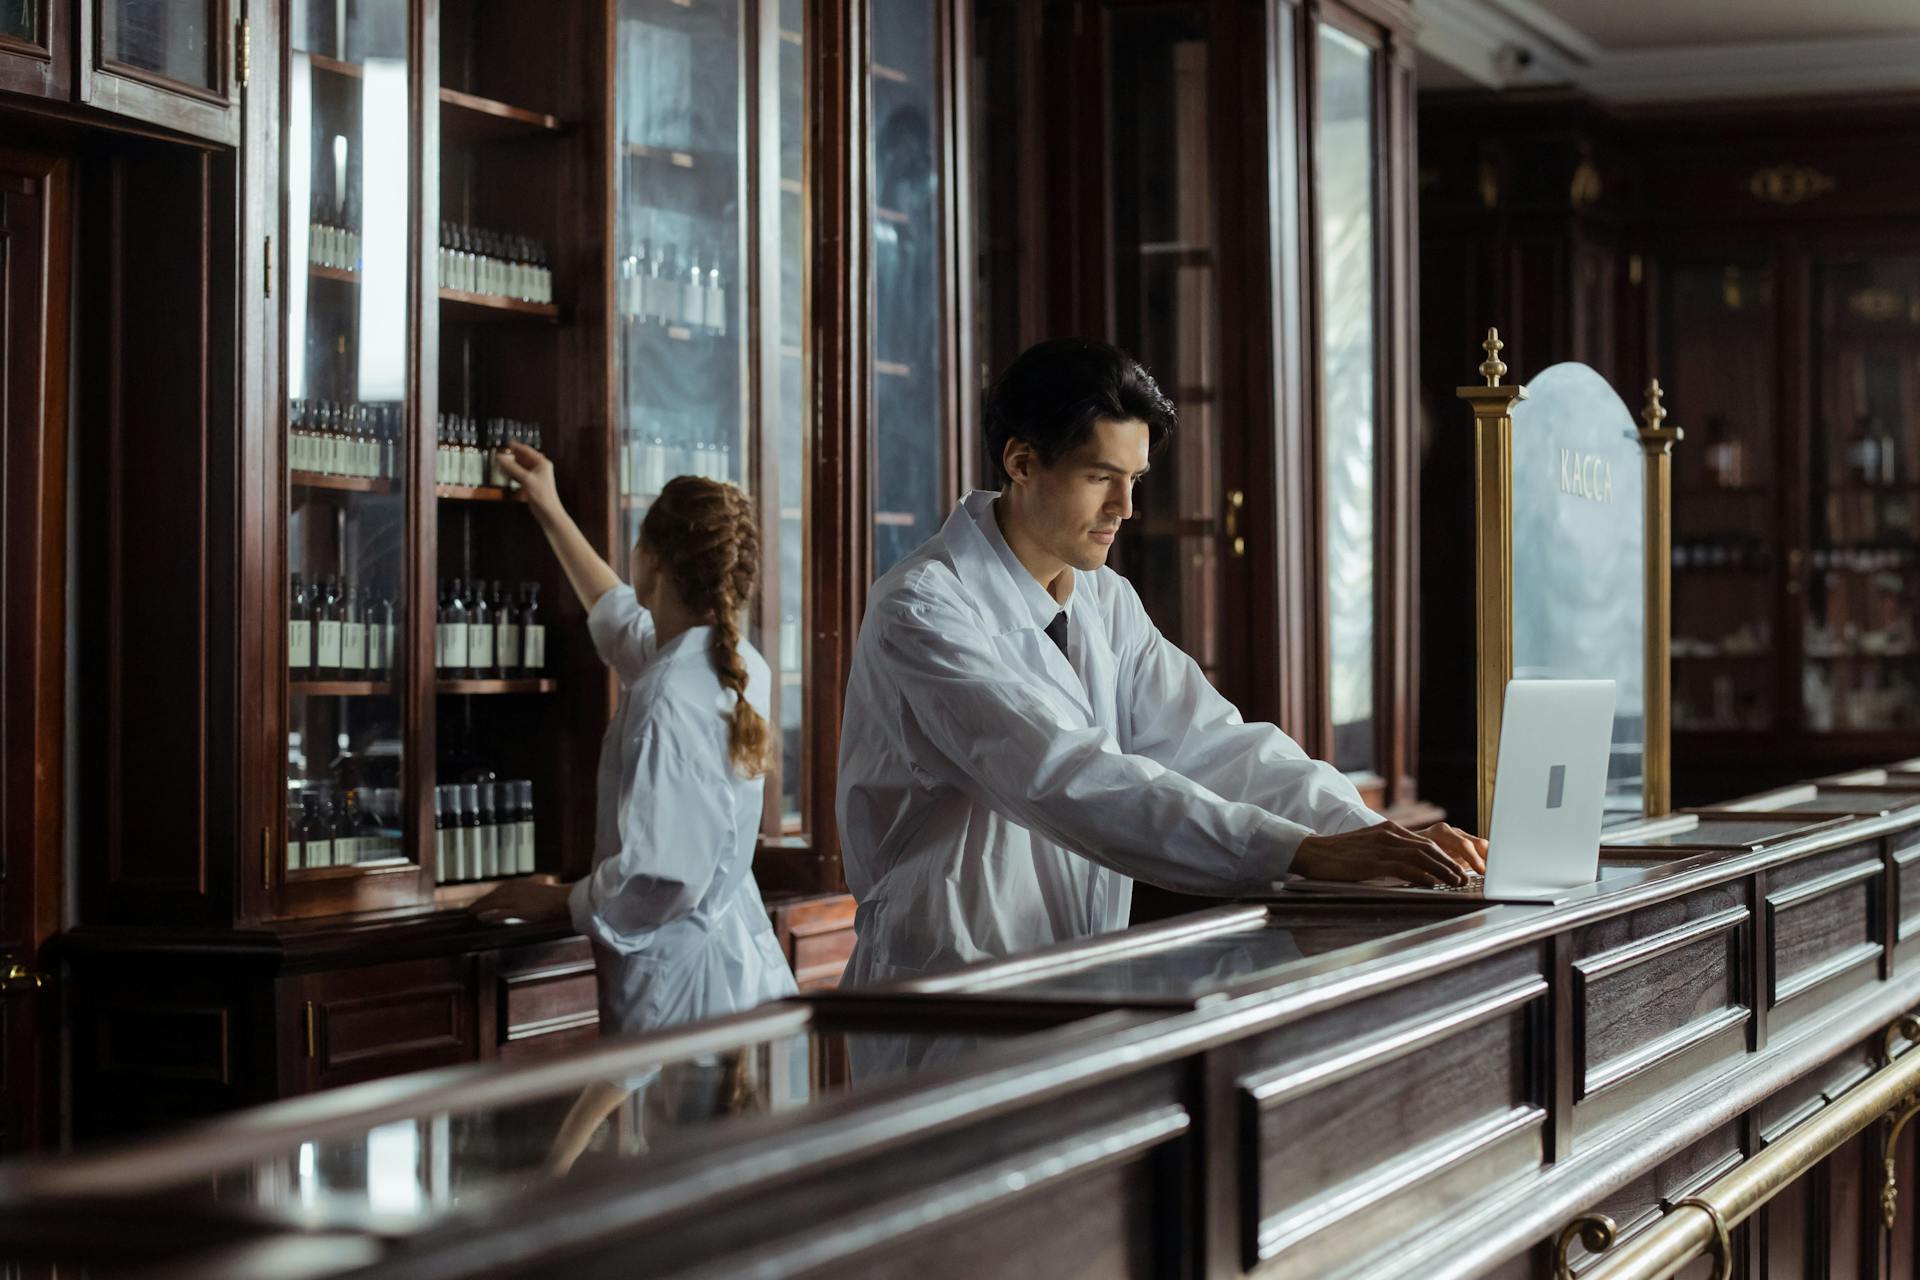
(1648,999)
(1644,1200)
(819,958)
(1426,1110)
(548,1000)
(1824,926)
(386,1019)
(1906,870)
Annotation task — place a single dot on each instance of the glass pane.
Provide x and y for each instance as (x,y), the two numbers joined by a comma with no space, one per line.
(1166,314)
(177,39)
(1719,327)
(783,419)
(20,20)
(1345,150)
(911,487)
(1862,660)
(346,370)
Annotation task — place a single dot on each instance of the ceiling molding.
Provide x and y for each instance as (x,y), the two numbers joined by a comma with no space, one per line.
(1511,44)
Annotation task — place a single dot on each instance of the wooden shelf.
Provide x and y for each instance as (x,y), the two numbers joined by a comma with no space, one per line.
(890,215)
(468,117)
(519,684)
(895,519)
(384,867)
(893,369)
(338,275)
(343,484)
(462,893)
(481,493)
(662,155)
(1724,657)
(339,688)
(486,308)
(883,72)
(1723,491)
(334,66)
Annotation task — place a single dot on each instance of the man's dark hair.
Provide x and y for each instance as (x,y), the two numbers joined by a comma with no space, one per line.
(1055,391)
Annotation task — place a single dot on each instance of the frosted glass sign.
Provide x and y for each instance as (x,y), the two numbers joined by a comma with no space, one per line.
(1578,557)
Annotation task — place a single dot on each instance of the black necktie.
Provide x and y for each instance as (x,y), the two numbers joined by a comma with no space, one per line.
(1057,632)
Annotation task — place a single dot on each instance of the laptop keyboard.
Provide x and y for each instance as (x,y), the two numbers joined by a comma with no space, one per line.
(1474,884)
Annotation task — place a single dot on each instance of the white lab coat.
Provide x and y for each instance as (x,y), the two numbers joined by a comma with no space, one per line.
(995,797)
(678,929)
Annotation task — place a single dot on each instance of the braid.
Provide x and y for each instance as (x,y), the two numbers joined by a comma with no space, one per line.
(707,541)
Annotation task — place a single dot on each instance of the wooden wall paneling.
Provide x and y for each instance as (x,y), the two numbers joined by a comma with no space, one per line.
(43,65)
(1253,656)
(839,283)
(36,247)
(152,855)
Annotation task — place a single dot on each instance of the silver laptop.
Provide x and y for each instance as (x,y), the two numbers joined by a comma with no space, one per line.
(1550,789)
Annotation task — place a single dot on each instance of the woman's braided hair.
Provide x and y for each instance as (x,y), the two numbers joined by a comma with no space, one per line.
(704,536)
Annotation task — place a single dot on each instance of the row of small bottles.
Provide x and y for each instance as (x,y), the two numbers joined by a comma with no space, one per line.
(334,438)
(1721,551)
(1863,559)
(469,448)
(332,240)
(475,260)
(647,464)
(659,286)
(362,826)
(482,830)
(339,631)
(482,635)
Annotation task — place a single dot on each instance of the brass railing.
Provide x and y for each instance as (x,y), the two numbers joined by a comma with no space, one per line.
(1701,1223)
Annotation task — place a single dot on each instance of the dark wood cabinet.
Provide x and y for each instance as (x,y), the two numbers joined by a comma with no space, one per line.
(1764,268)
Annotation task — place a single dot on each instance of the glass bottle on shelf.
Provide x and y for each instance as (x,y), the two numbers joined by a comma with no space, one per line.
(453,633)
(299,631)
(480,633)
(533,632)
(506,633)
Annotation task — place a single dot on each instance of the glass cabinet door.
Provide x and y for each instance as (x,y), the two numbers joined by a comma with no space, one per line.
(706,384)
(34,53)
(1166,312)
(347,273)
(1720,326)
(1346,151)
(1861,663)
(911,469)
(171,62)
(172,40)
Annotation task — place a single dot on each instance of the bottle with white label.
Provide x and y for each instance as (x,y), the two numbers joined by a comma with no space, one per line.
(453,634)
(533,633)
(319,831)
(296,832)
(353,635)
(480,800)
(470,824)
(523,827)
(299,631)
(480,633)
(326,631)
(506,633)
(442,868)
(457,855)
(380,636)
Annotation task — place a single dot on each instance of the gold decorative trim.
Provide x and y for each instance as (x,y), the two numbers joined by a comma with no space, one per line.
(1657,441)
(1722,1246)
(1789,184)
(1585,189)
(1596,1233)
(1493,555)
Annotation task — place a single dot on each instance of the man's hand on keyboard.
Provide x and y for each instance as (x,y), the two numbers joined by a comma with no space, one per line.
(1439,854)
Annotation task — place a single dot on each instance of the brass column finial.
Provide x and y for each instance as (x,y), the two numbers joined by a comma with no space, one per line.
(1655,413)
(1492,369)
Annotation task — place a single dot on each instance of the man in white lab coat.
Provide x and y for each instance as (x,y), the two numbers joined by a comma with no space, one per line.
(1020,742)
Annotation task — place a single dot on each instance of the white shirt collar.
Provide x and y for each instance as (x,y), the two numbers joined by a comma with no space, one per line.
(1039,601)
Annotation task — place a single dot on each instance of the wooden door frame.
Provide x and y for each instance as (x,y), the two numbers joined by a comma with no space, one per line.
(36,548)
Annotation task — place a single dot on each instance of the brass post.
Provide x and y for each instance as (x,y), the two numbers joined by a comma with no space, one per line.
(1493,556)
(1657,441)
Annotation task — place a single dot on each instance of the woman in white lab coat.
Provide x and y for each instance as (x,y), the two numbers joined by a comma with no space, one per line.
(678,929)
